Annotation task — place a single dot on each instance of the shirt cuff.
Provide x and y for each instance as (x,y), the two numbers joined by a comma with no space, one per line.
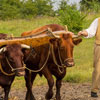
(88,33)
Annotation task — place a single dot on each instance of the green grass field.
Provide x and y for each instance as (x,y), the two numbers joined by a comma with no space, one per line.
(83,53)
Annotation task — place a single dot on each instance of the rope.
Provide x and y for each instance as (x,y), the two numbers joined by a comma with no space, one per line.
(55,61)
(35,71)
(5,72)
(13,69)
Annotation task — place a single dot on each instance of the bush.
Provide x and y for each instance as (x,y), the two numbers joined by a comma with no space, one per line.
(71,17)
(28,10)
(12,9)
(9,12)
(90,5)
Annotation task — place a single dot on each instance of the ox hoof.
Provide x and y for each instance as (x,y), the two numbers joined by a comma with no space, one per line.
(49,95)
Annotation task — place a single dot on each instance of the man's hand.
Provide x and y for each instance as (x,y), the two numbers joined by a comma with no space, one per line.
(83,33)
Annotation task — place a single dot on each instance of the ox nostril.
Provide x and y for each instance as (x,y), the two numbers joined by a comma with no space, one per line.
(72,63)
(69,64)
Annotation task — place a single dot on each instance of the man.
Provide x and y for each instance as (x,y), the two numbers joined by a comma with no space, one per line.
(94,30)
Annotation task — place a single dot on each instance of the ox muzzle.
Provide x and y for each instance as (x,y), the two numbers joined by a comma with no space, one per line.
(69,62)
(20,72)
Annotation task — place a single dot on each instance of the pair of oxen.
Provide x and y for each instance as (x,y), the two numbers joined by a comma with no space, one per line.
(48,59)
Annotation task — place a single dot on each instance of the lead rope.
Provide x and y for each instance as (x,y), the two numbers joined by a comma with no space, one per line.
(55,61)
(35,71)
(5,72)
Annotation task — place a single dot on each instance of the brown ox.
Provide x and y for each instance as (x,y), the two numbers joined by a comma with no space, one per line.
(11,65)
(61,55)
(3,35)
(53,27)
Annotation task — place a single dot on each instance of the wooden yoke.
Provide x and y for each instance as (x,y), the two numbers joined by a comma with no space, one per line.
(33,40)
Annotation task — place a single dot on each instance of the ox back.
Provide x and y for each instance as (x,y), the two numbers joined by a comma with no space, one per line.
(53,27)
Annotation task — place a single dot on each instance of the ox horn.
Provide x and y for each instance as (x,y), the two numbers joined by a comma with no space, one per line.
(52,33)
(66,28)
(76,36)
(59,32)
(25,46)
(3,49)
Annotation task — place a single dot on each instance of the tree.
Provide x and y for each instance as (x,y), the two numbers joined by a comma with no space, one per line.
(9,9)
(70,16)
(44,7)
(28,9)
(93,5)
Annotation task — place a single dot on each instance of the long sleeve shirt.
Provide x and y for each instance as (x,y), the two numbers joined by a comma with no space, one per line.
(92,28)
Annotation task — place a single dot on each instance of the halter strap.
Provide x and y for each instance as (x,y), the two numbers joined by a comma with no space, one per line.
(55,60)
(11,74)
(14,69)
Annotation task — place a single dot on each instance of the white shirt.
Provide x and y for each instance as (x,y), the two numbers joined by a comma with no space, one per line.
(92,28)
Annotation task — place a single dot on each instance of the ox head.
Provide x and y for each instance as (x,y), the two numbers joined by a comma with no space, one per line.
(66,43)
(13,56)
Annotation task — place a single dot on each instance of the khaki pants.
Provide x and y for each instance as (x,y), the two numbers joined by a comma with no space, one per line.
(96,72)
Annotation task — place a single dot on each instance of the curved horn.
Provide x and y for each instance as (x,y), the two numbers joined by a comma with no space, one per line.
(25,46)
(52,33)
(66,28)
(76,36)
(3,49)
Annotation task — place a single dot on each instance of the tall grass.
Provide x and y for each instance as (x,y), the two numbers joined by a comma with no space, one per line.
(83,53)
(16,27)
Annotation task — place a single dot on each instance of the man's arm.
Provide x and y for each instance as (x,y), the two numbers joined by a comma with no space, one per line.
(91,31)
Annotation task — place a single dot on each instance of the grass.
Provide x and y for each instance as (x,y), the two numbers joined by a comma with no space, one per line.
(16,27)
(83,53)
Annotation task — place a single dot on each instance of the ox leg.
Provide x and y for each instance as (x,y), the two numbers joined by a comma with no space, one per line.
(50,80)
(29,78)
(6,90)
(58,86)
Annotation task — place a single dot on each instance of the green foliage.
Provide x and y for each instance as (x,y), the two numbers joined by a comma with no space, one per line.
(28,10)
(71,17)
(12,9)
(90,5)
(9,9)
(44,7)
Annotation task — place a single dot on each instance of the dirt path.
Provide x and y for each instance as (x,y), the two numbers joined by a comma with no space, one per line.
(69,91)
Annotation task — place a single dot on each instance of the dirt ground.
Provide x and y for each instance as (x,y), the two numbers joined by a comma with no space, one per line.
(69,91)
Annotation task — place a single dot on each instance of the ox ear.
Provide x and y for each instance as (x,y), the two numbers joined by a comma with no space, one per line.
(76,41)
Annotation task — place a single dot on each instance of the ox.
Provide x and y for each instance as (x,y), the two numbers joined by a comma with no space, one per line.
(53,27)
(54,58)
(11,64)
